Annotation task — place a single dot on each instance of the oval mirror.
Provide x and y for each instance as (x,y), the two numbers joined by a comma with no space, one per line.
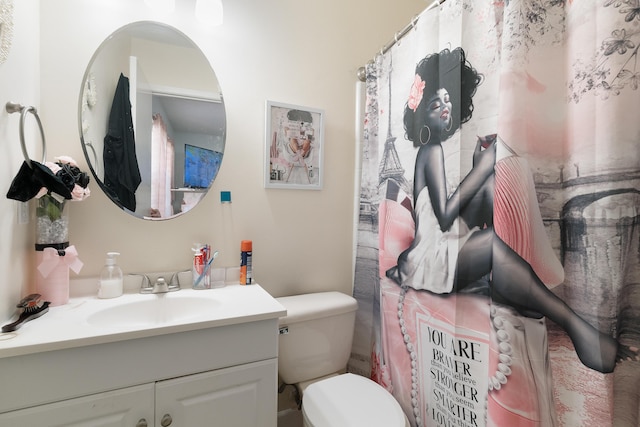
(152,120)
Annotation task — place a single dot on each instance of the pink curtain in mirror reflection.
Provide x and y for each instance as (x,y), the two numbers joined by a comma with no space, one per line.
(162,170)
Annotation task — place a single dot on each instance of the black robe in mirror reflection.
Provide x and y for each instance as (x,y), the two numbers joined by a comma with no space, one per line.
(121,172)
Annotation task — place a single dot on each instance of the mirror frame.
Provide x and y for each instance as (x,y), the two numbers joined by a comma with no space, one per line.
(87,100)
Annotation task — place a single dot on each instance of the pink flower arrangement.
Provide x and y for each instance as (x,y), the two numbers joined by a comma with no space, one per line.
(52,183)
(67,169)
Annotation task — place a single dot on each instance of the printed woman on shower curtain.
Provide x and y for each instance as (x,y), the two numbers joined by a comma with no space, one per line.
(465,243)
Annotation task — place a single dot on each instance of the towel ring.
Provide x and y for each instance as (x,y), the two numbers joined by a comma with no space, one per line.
(11,108)
(94,154)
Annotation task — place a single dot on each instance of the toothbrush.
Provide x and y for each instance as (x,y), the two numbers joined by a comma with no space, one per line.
(32,309)
(205,271)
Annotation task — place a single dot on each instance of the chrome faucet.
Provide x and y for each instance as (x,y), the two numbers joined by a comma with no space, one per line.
(160,286)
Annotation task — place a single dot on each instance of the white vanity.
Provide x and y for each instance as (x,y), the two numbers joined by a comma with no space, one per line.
(186,358)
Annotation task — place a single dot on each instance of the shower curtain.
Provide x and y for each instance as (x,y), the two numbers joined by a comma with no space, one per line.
(509,294)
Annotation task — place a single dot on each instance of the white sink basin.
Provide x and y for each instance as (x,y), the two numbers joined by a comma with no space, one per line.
(161,309)
(88,320)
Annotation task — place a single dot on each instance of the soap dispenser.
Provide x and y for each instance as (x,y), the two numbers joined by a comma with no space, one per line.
(110,278)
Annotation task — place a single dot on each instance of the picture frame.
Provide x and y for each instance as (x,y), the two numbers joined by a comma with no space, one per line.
(294,147)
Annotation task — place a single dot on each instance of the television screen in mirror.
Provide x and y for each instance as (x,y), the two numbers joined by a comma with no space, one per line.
(152,120)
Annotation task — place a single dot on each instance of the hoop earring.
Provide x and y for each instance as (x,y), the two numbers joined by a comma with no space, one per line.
(450,124)
(422,141)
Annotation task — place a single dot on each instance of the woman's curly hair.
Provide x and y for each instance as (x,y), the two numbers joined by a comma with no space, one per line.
(448,69)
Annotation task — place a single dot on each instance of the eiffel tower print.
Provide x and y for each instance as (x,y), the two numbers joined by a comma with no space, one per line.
(392,182)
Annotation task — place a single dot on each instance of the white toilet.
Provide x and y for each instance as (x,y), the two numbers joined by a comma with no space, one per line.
(314,348)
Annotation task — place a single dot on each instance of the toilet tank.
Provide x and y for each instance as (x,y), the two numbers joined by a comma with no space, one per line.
(315,335)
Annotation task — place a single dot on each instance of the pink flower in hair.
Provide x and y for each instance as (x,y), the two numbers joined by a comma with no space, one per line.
(415,95)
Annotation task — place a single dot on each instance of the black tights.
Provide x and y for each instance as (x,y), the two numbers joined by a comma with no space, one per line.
(515,282)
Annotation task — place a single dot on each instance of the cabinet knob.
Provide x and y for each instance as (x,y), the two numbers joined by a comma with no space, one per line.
(166,420)
(142,423)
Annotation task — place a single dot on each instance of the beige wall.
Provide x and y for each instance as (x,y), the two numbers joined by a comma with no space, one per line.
(291,51)
(19,82)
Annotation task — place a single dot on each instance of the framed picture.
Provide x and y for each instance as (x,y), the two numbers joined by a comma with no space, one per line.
(294,147)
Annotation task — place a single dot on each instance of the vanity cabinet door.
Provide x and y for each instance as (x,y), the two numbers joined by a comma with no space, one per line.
(128,407)
(238,396)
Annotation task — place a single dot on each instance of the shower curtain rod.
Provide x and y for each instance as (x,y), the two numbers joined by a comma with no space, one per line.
(400,34)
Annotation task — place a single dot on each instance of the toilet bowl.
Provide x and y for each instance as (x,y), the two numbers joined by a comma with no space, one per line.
(314,347)
(350,400)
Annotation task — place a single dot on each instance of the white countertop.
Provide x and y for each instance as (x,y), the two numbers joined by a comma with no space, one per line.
(67,326)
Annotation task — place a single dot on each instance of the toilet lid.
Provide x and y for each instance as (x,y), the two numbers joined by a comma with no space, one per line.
(350,400)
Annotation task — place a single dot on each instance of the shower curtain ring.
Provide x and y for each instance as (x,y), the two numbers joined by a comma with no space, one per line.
(395,37)
(362,74)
